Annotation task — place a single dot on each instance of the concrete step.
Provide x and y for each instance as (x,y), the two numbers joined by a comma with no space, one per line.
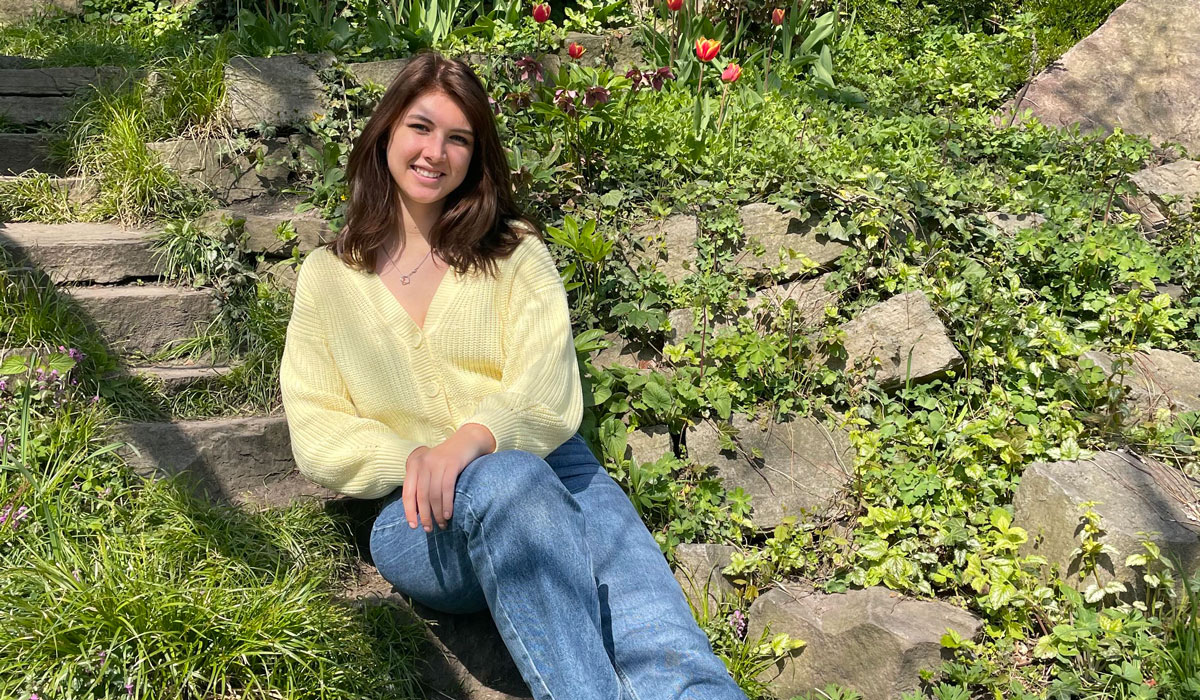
(240,461)
(144,318)
(84,252)
(21,152)
(470,661)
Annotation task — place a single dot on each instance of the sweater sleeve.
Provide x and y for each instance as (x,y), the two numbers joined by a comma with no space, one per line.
(541,403)
(333,446)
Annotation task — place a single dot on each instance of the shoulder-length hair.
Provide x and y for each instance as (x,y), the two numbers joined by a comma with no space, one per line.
(478,220)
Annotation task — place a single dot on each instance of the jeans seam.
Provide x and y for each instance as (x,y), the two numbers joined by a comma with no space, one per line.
(499,607)
(625,679)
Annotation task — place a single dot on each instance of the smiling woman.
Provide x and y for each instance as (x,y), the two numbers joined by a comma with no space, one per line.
(430,360)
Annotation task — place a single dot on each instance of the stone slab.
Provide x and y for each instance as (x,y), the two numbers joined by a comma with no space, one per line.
(144,318)
(276,91)
(1139,71)
(22,152)
(84,252)
(669,245)
(380,73)
(242,461)
(260,219)
(902,329)
(1135,495)
(698,571)
(803,466)
(212,165)
(787,240)
(873,641)
(1156,379)
(177,379)
(1178,181)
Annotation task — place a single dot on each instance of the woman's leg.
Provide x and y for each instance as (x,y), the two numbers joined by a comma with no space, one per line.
(517,541)
(656,645)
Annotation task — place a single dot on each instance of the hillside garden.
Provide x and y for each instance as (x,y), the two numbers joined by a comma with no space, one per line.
(878,124)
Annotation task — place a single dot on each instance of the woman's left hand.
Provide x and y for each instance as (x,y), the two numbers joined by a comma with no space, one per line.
(428,490)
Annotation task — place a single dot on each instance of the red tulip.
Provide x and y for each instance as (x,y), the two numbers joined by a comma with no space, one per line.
(674,5)
(541,12)
(706,49)
(575,50)
(777,16)
(731,73)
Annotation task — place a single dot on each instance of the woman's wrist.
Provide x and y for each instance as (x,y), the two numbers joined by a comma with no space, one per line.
(471,441)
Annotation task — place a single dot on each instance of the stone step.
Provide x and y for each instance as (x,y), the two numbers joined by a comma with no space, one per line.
(177,379)
(261,217)
(80,190)
(21,152)
(240,461)
(144,318)
(84,252)
(470,661)
(43,95)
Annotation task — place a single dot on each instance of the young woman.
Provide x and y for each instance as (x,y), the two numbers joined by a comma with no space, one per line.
(430,357)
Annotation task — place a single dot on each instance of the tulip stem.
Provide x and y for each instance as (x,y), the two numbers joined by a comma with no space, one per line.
(721,118)
(767,70)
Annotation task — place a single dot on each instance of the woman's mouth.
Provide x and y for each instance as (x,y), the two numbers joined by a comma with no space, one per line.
(426,175)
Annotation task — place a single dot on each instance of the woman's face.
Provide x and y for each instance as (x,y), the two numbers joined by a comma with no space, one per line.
(433,137)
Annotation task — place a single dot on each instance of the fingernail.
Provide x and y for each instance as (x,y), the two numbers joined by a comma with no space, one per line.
(446,515)
(428,529)
(412,524)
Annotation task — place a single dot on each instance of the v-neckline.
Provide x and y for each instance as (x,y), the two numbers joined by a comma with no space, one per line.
(396,315)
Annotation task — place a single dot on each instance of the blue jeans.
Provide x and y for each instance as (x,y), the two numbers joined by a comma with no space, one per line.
(579,590)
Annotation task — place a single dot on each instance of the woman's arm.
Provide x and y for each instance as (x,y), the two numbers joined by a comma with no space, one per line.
(541,403)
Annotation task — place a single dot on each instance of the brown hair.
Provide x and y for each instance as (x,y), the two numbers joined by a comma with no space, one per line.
(477,223)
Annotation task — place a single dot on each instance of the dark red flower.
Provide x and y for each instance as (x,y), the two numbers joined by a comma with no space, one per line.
(530,67)
(596,95)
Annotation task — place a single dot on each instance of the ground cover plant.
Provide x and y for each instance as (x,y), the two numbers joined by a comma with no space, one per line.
(879,119)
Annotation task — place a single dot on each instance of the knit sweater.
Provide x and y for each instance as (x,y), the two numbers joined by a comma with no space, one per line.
(363,386)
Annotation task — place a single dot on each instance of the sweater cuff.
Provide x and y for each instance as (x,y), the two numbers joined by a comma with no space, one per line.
(504,425)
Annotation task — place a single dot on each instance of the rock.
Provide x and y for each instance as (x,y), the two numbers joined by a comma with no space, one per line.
(1180,179)
(44,95)
(669,245)
(215,166)
(683,324)
(144,318)
(627,353)
(809,295)
(614,49)
(1011,224)
(261,220)
(79,191)
(1156,379)
(470,660)
(803,466)
(698,570)
(902,329)
(229,460)
(780,232)
(276,91)
(22,152)
(649,443)
(1135,494)
(872,641)
(176,379)
(1139,71)
(84,252)
(282,273)
(380,73)
(13,11)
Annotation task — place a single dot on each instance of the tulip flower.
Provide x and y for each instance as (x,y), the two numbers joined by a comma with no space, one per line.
(674,5)
(731,73)
(706,49)
(541,12)
(575,50)
(777,16)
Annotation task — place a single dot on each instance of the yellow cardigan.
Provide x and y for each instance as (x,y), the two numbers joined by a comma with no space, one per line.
(363,386)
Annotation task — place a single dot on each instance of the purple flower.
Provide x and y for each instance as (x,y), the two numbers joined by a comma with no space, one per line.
(519,100)
(129,688)
(35,696)
(737,621)
(530,68)
(565,100)
(494,104)
(595,95)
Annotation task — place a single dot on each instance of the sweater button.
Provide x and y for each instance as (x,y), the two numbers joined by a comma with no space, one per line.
(432,389)
(415,342)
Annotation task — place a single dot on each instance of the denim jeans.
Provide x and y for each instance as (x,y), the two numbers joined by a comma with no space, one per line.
(576,584)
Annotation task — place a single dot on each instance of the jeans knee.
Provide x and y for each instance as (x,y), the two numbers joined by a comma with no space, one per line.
(513,482)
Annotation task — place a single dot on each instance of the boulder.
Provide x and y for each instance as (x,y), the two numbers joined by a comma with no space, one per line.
(1156,379)
(873,641)
(787,239)
(1139,71)
(903,336)
(1178,181)
(803,466)
(1135,495)
(227,460)
(230,175)
(276,91)
(698,571)
(669,245)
